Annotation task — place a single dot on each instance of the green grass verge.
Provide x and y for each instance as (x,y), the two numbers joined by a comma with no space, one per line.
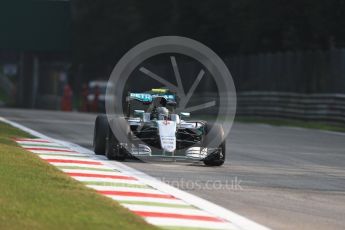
(35,195)
(292,123)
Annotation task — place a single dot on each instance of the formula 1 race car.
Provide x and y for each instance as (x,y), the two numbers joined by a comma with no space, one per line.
(158,132)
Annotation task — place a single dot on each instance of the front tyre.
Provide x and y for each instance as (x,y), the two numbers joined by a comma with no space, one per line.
(217,159)
(214,136)
(114,149)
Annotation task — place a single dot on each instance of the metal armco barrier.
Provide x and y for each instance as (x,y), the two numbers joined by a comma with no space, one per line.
(313,107)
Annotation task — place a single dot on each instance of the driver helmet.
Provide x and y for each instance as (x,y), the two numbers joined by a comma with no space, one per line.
(163,111)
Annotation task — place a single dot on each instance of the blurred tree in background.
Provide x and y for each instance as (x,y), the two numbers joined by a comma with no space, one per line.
(105,30)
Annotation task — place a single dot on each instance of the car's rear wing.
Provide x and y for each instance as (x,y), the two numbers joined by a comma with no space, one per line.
(148,98)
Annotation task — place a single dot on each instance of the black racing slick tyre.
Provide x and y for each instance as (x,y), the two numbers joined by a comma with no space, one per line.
(215,136)
(100,134)
(114,149)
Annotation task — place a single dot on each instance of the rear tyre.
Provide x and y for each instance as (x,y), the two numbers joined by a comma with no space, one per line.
(213,137)
(100,134)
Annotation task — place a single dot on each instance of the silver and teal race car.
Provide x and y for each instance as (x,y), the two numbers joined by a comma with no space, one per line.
(157,131)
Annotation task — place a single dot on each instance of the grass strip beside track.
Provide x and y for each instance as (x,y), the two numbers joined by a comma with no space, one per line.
(36,195)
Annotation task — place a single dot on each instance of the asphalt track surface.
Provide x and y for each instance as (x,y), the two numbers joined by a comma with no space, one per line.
(281,177)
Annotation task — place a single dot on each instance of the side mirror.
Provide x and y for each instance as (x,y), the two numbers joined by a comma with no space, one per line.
(184,114)
(139,113)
